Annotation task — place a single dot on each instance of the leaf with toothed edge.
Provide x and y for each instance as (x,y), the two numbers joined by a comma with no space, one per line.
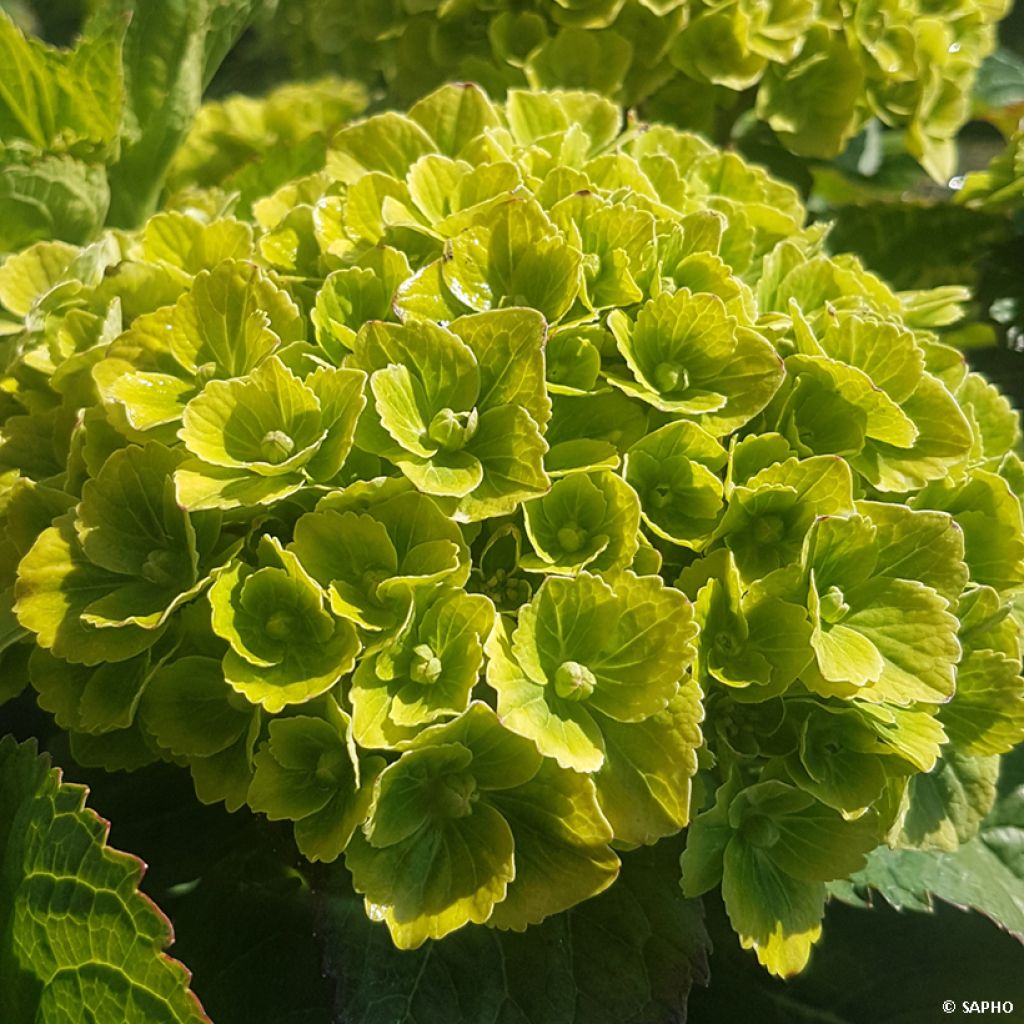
(78,942)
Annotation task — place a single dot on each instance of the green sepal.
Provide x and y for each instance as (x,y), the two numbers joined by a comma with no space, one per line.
(584,650)
(305,773)
(369,561)
(587,521)
(286,648)
(425,672)
(674,471)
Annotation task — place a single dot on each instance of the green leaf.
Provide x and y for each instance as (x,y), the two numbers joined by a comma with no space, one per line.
(777,916)
(984,874)
(190,710)
(617,244)
(811,101)
(97,701)
(783,848)
(170,56)
(948,804)
(583,651)
(341,394)
(370,560)
(561,729)
(573,360)
(838,762)
(59,97)
(233,317)
(389,143)
(888,354)
(560,972)
(51,197)
(510,449)
(990,516)
(424,673)
(644,786)
(843,654)
(443,870)
(268,422)
(186,242)
(996,423)
(883,419)
(592,431)
(27,276)
(305,773)
(914,545)
(84,935)
(509,349)
(129,523)
(746,640)
(202,487)
(913,638)
(559,832)
(347,299)
(514,257)
(944,440)
(581,60)
(769,515)
(986,714)
(454,115)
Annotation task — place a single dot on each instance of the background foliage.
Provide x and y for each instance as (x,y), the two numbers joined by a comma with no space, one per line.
(244,899)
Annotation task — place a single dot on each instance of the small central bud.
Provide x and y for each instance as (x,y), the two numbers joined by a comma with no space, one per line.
(769,529)
(279,626)
(276,446)
(426,665)
(669,377)
(571,538)
(726,643)
(205,373)
(159,568)
(760,831)
(833,605)
(455,795)
(451,430)
(326,771)
(574,681)
(661,495)
(372,578)
(591,264)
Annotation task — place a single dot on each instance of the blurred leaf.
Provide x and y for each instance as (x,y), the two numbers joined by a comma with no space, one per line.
(171,51)
(986,873)
(948,243)
(629,956)
(872,967)
(999,90)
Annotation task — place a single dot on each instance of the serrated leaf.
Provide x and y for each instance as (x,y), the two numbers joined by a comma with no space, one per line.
(985,873)
(948,804)
(561,972)
(76,930)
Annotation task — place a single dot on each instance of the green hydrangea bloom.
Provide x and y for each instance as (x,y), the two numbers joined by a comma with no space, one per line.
(815,72)
(519,486)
